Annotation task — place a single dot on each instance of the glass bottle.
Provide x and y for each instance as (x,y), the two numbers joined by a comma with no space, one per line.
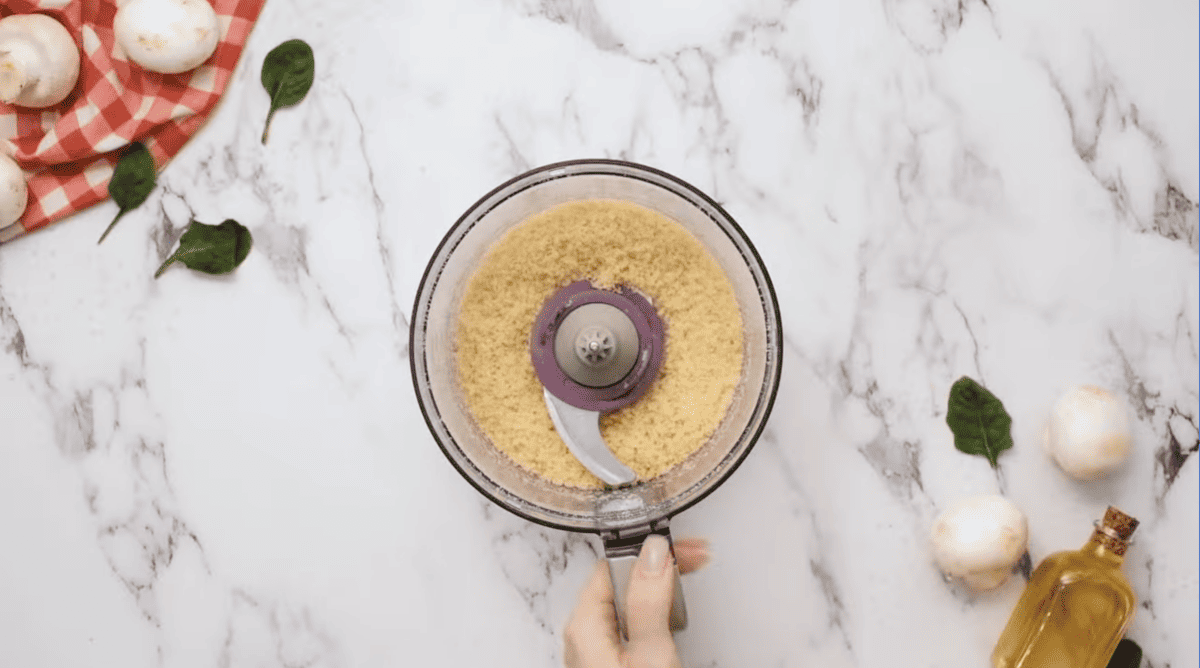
(1076,606)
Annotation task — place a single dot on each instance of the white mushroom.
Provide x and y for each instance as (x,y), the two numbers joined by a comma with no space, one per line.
(13,192)
(979,540)
(168,36)
(1088,434)
(39,61)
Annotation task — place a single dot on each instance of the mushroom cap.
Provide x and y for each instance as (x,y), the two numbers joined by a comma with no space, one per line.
(168,36)
(979,539)
(41,60)
(13,192)
(1088,434)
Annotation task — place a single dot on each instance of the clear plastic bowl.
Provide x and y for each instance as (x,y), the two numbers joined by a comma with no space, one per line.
(432,356)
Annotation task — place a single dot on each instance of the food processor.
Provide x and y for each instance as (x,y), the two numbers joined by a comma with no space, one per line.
(594,351)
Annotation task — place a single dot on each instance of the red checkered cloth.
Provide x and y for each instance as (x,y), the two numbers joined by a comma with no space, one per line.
(68,151)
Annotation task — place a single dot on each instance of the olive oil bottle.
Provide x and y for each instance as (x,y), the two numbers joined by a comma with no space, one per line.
(1076,606)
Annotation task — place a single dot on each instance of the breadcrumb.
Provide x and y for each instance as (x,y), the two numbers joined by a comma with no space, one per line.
(609,243)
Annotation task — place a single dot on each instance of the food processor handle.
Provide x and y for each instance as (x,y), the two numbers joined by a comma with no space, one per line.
(622,555)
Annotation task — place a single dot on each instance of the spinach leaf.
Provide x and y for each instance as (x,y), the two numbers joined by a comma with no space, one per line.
(980,424)
(212,249)
(287,74)
(131,182)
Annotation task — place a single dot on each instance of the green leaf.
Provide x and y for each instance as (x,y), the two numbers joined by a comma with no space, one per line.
(980,424)
(287,74)
(212,249)
(131,183)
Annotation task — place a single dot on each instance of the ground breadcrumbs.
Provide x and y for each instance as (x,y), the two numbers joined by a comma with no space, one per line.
(609,243)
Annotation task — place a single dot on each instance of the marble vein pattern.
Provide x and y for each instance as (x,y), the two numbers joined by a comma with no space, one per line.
(233,471)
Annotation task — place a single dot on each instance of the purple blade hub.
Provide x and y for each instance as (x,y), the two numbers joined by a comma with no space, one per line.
(629,389)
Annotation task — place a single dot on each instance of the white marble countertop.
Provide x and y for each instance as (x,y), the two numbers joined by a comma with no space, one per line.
(234,471)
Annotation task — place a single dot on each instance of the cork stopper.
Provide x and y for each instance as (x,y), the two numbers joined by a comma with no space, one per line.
(1115,530)
(1123,525)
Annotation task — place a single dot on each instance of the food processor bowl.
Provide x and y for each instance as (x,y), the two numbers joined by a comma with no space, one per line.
(623,516)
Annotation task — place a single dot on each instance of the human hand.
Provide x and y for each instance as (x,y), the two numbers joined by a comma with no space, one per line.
(591,638)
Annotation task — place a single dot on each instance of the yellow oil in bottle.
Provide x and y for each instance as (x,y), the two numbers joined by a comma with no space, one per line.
(1076,606)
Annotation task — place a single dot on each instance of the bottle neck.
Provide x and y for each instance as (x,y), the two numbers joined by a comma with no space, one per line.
(1106,548)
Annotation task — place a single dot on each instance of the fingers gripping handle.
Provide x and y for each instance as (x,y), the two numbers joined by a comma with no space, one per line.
(622,555)
(621,570)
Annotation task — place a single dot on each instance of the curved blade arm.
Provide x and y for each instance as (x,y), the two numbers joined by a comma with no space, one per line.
(580,430)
